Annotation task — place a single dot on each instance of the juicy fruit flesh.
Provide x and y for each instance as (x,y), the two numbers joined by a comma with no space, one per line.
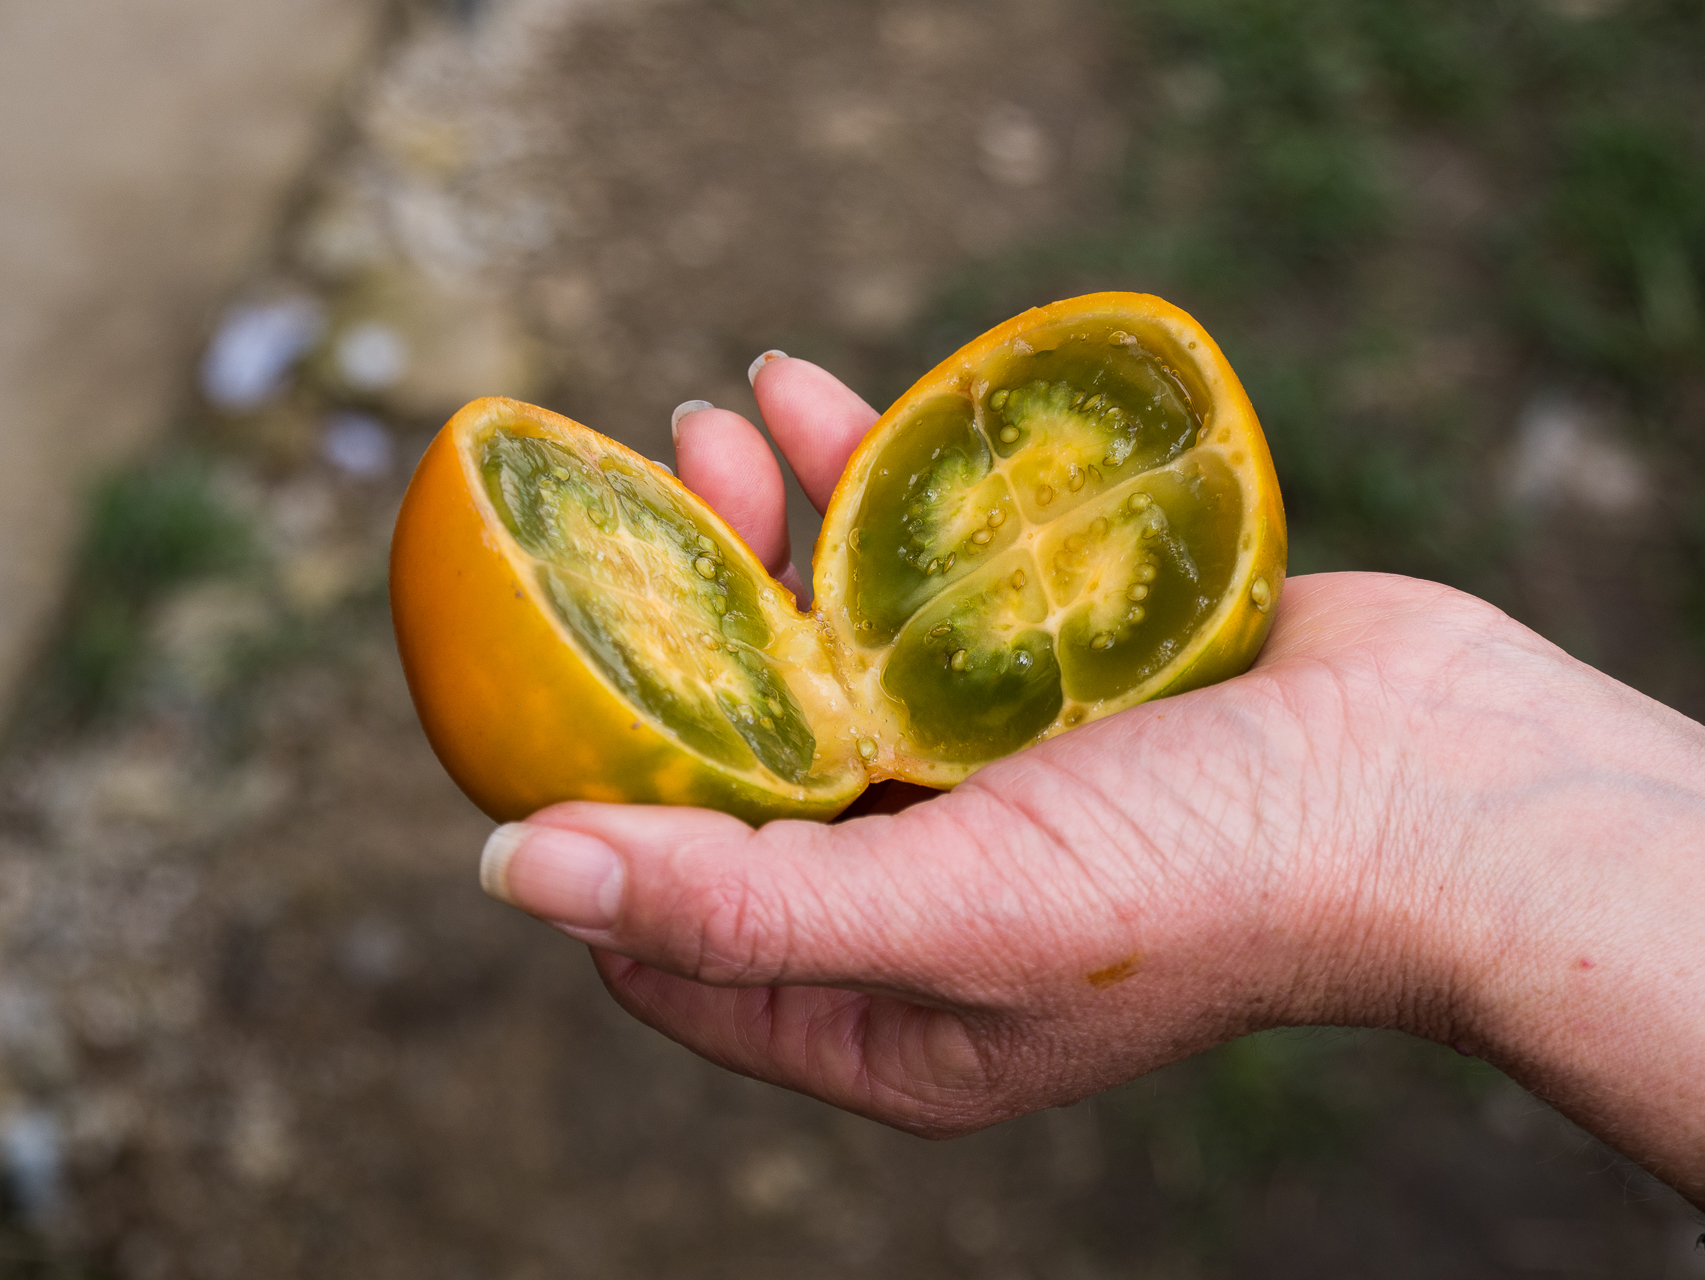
(1046,542)
(647,591)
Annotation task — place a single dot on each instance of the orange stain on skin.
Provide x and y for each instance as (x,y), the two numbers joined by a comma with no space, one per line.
(1116,972)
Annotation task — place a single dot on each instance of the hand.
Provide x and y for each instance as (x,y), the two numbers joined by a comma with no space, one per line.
(1412,813)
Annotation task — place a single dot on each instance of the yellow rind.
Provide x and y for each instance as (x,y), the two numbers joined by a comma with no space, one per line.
(1224,645)
(519,718)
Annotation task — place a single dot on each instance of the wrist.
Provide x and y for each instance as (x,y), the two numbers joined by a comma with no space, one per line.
(1566,941)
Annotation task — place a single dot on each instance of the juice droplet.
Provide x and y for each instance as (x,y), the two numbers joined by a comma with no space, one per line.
(959,659)
(705,567)
(866,749)
(997,518)
(1044,495)
(1261,593)
(982,537)
(1009,434)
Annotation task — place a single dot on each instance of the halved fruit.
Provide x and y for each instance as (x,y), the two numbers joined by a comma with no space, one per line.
(1075,513)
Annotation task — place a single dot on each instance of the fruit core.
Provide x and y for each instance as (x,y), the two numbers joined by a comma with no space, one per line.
(1047,536)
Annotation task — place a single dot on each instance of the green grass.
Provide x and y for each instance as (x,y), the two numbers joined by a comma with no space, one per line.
(1302,234)
(148,529)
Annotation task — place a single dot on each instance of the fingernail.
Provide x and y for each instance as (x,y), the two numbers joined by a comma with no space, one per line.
(562,876)
(760,362)
(682,410)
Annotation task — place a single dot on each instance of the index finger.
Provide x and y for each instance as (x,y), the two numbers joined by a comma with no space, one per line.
(815,419)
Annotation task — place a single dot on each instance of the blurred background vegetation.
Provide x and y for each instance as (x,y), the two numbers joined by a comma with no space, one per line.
(1456,250)
(1457,253)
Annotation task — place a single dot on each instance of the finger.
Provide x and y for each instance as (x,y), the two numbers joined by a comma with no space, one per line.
(900,1063)
(703,896)
(815,419)
(725,460)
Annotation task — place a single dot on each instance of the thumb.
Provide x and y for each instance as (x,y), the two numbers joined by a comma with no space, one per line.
(704,896)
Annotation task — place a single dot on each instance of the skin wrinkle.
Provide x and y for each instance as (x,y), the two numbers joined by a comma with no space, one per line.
(1063,846)
(1014,912)
(938,901)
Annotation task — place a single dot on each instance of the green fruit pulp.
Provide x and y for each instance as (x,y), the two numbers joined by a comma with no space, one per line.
(644,587)
(1053,538)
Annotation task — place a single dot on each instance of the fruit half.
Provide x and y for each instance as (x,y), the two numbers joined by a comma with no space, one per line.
(1075,513)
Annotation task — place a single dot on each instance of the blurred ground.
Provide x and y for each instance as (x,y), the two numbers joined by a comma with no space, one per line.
(255,1017)
(147,151)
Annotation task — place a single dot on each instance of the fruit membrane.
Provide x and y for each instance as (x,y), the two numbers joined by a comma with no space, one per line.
(1073,514)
